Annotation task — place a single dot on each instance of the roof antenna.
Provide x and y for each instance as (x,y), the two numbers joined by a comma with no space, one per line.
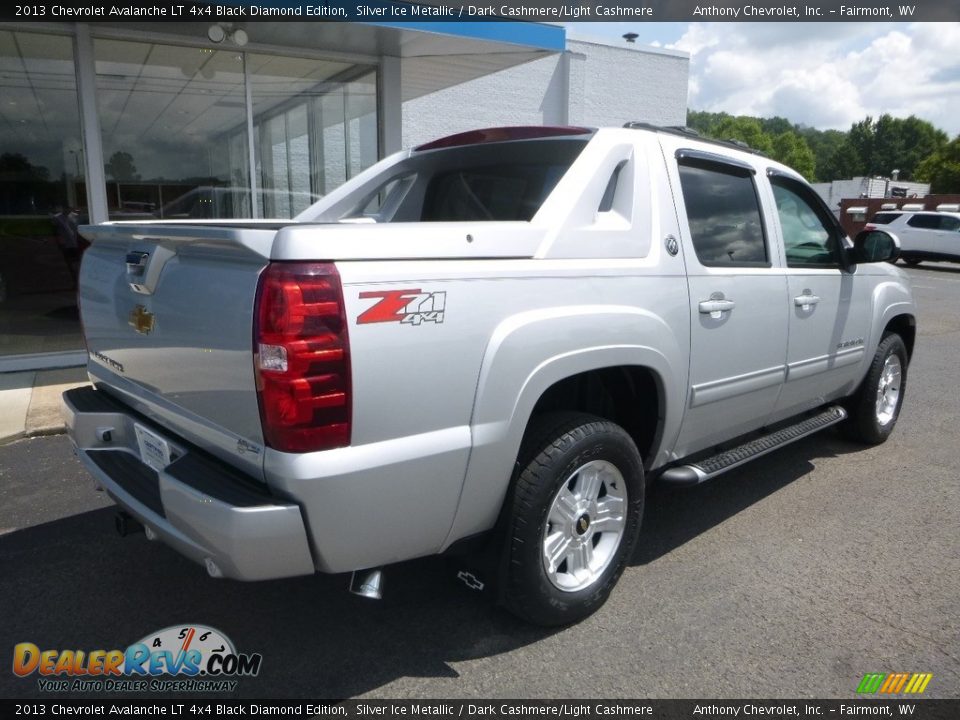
(630,37)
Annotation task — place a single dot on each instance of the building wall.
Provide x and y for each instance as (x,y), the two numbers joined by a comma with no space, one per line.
(866,187)
(591,84)
(611,85)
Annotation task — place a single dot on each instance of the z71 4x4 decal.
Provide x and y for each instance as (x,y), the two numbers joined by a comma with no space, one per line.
(409,307)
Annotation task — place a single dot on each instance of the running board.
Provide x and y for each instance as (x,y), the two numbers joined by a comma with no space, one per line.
(710,467)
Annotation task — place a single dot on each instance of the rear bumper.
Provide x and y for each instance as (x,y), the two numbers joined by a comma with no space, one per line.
(197,505)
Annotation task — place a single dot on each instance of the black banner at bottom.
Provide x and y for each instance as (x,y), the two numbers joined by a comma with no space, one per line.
(914,709)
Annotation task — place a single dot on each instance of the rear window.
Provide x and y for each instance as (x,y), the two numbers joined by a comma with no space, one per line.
(499,192)
(489,182)
(885,218)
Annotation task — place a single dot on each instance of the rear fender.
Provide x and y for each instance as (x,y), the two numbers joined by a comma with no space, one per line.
(530,352)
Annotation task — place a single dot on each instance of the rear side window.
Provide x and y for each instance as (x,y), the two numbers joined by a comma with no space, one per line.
(884,218)
(723,212)
(948,222)
(924,222)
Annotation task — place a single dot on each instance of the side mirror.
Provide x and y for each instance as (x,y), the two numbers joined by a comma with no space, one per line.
(873,246)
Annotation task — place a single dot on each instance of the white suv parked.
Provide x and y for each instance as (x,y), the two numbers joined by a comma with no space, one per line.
(923,235)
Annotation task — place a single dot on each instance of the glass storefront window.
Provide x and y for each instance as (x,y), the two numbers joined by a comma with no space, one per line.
(174,126)
(173,121)
(315,126)
(42,194)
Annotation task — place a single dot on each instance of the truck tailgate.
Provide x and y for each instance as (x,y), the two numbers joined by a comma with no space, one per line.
(168,317)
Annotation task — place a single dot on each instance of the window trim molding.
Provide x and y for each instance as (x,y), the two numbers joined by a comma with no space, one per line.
(713,159)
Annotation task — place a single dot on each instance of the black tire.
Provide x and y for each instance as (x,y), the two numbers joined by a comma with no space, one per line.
(555,447)
(864,425)
(911,261)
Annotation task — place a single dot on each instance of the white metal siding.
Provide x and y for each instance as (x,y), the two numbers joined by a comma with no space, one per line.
(591,84)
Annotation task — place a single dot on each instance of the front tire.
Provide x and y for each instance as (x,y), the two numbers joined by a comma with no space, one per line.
(875,407)
(574,518)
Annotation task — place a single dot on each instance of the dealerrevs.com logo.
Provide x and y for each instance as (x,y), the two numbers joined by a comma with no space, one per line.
(180,658)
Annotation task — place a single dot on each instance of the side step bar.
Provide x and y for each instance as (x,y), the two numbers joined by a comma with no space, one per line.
(710,467)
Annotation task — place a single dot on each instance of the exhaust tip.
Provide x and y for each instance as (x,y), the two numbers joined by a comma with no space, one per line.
(126,524)
(367,583)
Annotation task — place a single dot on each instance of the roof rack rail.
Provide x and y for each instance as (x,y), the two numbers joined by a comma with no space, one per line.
(691,133)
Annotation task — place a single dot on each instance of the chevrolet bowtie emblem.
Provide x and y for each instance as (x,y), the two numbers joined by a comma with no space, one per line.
(141,320)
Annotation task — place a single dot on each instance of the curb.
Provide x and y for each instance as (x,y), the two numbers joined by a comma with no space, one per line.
(39,432)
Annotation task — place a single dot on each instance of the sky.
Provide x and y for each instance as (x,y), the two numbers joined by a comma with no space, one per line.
(824,75)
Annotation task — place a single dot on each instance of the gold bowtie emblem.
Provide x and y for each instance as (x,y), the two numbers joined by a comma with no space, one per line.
(141,320)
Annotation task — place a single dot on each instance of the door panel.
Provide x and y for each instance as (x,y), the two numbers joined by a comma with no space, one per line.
(737,359)
(828,309)
(737,298)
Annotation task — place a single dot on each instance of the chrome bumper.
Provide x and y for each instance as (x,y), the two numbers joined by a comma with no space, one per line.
(197,505)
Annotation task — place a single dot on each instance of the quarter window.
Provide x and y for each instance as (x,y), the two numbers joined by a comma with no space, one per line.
(924,222)
(809,238)
(724,215)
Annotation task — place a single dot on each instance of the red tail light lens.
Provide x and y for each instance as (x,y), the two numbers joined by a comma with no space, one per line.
(302,357)
(869,226)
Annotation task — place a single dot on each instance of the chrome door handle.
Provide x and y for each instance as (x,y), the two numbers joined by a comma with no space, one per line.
(806,301)
(715,308)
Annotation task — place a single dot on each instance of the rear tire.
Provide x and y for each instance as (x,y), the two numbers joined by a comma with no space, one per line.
(875,407)
(573,518)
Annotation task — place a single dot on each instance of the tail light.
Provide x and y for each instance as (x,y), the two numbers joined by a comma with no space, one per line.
(302,357)
(869,226)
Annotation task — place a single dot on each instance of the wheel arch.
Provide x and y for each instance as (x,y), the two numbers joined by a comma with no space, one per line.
(904,325)
(542,355)
(632,396)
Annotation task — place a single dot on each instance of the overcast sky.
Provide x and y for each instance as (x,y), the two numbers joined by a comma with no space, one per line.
(826,75)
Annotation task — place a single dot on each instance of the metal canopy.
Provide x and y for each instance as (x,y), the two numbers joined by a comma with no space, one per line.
(435,55)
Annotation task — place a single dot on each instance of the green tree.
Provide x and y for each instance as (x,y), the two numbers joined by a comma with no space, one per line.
(791,149)
(920,140)
(121,167)
(777,125)
(870,147)
(844,163)
(825,145)
(704,122)
(890,143)
(942,168)
(744,129)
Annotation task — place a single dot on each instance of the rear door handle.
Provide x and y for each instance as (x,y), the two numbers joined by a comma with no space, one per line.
(806,301)
(715,307)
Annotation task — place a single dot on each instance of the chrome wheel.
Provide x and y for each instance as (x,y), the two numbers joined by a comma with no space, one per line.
(585,524)
(888,390)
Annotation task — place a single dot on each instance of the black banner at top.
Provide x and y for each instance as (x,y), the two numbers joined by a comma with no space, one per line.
(185,708)
(397,11)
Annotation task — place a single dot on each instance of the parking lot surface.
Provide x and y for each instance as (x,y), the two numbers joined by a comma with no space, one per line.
(789,577)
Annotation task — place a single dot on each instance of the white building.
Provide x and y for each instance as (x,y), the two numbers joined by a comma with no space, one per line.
(867,187)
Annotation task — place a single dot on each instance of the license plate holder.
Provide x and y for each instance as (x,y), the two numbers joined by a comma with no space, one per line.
(154,450)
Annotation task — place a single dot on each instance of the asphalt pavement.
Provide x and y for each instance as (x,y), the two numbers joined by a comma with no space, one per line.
(789,577)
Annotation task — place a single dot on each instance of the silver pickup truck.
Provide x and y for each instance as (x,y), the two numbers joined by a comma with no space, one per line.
(489,345)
